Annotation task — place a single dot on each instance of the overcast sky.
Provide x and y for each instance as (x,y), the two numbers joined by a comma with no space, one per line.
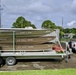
(38,11)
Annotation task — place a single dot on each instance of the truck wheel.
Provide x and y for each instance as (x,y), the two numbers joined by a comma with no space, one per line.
(10,61)
(1,61)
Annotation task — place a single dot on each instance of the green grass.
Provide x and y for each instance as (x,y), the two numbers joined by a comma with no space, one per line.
(42,72)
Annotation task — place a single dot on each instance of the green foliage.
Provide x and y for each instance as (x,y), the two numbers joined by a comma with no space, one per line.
(22,23)
(62,33)
(48,24)
(42,72)
(60,28)
(73,30)
(68,30)
(33,26)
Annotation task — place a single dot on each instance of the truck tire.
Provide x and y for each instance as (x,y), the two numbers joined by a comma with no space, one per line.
(10,61)
(1,61)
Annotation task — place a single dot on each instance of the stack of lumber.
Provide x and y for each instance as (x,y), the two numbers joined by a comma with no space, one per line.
(25,40)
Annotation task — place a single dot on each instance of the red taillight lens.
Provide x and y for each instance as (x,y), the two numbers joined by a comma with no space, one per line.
(74,45)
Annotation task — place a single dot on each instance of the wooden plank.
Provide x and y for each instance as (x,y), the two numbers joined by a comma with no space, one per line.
(38,40)
(28,47)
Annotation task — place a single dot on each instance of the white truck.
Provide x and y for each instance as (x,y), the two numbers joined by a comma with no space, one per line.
(11,55)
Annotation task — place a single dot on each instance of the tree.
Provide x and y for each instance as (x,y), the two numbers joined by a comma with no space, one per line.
(48,24)
(22,23)
(33,26)
(60,28)
(67,30)
(73,30)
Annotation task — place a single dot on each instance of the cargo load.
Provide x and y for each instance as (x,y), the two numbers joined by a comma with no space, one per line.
(25,39)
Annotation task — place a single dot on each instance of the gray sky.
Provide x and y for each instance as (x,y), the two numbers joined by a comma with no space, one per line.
(38,11)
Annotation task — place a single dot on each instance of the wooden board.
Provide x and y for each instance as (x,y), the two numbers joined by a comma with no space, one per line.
(28,47)
(25,32)
(25,41)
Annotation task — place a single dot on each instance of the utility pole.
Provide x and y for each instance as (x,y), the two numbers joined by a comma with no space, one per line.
(62,22)
(0,13)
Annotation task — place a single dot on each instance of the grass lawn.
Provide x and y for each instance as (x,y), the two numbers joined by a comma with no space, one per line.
(42,72)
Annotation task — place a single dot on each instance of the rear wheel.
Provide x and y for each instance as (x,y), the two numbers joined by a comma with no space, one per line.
(10,61)
(1,61)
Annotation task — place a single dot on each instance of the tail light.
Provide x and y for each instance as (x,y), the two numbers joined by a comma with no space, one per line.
(74,45)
